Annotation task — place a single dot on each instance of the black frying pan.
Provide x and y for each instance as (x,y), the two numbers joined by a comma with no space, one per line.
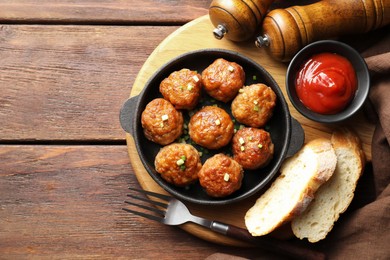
(286,133)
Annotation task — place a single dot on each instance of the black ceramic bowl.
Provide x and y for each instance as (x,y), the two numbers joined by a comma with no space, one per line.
(359,65)
(286,133)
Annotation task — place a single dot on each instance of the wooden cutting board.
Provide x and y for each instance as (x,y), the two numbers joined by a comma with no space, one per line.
(198,35)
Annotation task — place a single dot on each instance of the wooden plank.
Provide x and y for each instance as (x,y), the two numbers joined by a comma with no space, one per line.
(65,202)
(69,82)
(99,12)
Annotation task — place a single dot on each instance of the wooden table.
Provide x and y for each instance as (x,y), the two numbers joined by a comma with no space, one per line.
(66,67)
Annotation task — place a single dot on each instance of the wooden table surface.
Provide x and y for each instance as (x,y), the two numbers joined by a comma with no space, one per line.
(66,67)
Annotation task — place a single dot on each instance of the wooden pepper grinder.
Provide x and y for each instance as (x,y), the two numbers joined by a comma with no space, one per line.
(238,20)
(286,31)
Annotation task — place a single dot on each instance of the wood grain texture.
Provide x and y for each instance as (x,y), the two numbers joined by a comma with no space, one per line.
(69,82)
(102,12)
(241,19)
(66,67)
(65,202)
(290,29)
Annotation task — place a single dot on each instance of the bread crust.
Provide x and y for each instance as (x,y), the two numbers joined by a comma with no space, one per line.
(345,137)
(334,197)
(291,193)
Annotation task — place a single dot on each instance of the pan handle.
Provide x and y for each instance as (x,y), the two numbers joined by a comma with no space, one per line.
(127,114)
(297,138)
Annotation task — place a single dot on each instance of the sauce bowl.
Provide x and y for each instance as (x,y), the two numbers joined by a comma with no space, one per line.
(359,65)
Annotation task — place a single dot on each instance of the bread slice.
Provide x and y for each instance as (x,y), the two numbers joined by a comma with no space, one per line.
(334,197)
(293,190)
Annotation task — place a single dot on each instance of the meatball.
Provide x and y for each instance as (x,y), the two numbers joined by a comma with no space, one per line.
(252,148)
(223,79)
(211,127)
(220,175)
(178,164)
(254,105)
(161,122)
(182,88)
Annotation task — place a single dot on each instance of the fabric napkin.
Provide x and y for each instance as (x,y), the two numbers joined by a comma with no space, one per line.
(363,232)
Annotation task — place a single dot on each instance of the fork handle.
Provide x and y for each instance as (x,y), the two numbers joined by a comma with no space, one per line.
(272,244)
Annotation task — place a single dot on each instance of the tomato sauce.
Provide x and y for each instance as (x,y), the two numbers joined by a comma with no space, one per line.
(326,83)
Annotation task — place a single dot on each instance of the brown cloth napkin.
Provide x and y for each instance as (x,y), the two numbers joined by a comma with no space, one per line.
(363,232)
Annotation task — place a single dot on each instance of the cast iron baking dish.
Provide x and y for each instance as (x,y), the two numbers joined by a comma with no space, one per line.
(286,133)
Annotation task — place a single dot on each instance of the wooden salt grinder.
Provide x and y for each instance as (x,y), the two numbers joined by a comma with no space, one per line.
(238,20)
(286,31)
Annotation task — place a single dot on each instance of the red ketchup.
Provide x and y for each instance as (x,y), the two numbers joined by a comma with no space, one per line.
(326,83)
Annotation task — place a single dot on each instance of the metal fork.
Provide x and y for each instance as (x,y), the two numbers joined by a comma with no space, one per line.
(174,212)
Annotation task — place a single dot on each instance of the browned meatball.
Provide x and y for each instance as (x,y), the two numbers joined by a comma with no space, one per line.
(223,79)
(254,105)
(252,148)
(178,164)
(220,175)
(182,88)
(211,127)
(161,122)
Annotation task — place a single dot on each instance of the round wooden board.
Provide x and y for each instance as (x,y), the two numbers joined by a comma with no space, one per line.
(198,35)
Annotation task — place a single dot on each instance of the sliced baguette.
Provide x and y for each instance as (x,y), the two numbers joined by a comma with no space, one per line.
(292,191)
(334,197)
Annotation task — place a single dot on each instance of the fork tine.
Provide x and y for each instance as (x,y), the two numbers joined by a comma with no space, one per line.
(157,195)
(146,207)
(145,215)
(157,203)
